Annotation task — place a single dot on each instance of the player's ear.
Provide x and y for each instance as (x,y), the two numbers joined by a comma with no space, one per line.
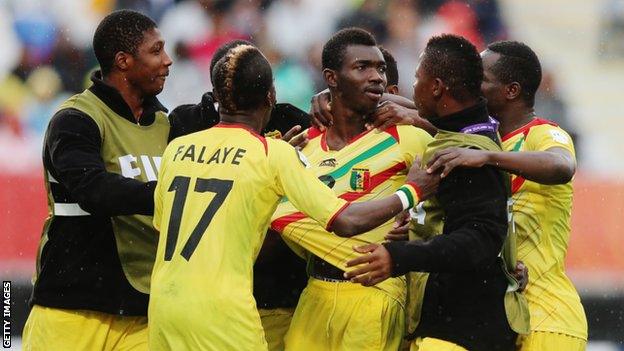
(438,87)
(123,61)
(271,97)
(513,90)
(393,89)
(330,77)
(215,96)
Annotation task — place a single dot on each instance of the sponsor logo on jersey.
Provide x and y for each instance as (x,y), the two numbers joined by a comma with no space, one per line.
(330,162)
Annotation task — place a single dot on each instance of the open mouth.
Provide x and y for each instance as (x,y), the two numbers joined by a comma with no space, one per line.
(374,96)
(162,77)
(374,93)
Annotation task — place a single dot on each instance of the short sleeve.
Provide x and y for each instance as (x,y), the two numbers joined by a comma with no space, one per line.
(160,187)
(306,192)
(546,136)
(413,142)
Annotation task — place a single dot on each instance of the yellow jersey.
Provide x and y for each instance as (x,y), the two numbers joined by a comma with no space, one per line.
(216,193)
(372,166)
(541,215)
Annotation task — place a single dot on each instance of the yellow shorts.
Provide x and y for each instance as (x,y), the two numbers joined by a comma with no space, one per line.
(433,344)
(275,323)
(345,316)
(537,341)
(53,329)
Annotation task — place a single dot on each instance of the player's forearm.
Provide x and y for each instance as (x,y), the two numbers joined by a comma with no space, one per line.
(399,100)
(425,125)
(360,217)
(544,167)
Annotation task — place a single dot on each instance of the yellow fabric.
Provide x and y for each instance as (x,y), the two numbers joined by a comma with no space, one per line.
(371,167)
(540,341)
(345,316)
(53,329)
(276,322)
(433,344)
(541,214)
(204,301)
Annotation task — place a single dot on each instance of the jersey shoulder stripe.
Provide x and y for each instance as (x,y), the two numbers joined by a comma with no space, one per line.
(252,132)
(527,127)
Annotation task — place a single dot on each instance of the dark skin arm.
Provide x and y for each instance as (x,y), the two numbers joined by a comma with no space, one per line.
(379,267)
(554,166)
(477,228)
(390,113)
(360,217)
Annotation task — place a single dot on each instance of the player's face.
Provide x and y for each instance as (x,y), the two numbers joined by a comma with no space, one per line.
(423,93)
(150,64)
(492,88)
(362,78)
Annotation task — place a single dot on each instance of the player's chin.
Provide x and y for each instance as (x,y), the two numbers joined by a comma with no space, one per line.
(156,88)
(368,105)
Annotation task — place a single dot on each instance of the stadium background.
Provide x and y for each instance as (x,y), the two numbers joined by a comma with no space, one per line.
(47,56)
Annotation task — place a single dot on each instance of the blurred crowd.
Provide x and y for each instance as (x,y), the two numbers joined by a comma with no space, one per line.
(47,54)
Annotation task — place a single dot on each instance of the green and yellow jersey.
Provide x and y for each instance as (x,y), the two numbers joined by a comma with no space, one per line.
(541,215)
(372,166)
(216,193)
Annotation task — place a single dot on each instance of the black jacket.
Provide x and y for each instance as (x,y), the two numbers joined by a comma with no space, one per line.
(463,300)
(78,267)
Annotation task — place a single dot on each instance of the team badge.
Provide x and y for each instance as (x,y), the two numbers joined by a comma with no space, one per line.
(360,179)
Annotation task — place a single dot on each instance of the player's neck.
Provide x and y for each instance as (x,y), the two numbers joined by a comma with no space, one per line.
(447,106)
(347,125)
(252,121)
(514,117)
(132,96)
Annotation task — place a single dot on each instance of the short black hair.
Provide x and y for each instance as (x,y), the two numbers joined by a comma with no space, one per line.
(517,63)
(455,61)
(223,49)
(119,31)
(242,78)
(392,72)
(335,48)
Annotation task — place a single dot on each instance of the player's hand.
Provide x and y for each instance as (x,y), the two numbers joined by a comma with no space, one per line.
(389,114)
(400,228)
(426,181)
(298,141)
(291,133)
(444,161)
(522,275)
(377,265)
(320,110)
